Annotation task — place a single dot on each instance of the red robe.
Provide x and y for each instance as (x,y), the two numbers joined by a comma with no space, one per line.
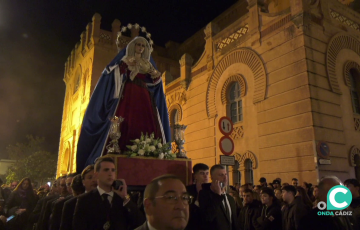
(137,107)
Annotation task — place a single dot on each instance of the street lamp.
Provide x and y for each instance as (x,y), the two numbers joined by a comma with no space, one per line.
(180,140)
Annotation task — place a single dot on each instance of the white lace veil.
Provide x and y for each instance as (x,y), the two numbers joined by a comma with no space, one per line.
(130,48)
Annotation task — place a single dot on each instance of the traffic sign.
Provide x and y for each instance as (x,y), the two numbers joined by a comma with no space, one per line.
(323,150)
(226,145)
(225,126)
(227,160)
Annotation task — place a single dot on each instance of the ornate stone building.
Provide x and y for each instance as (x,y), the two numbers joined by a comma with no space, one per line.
(287,72)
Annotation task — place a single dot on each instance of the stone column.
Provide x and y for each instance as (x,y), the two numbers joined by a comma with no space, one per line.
(96,20)
(185,69)
(115,28)
(210,30)
(254,23)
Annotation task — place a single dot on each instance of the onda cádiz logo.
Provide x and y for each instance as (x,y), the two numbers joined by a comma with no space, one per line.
(338,198)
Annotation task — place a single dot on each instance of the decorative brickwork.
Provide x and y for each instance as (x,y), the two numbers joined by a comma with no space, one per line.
(344,20)
(337,43)
(247,155)
(247,57)
(235,78)
(353,151)
(238,132)
(357,123)
(232,37)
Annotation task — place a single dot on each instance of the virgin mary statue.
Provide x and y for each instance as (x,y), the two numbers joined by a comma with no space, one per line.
(130,87)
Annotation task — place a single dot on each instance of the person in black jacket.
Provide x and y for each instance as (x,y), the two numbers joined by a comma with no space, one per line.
(250,212)
(313,221)
(201,176)
(86,184)
(21,203)
(105,207)
(271,211)
(217,209)
(35,215)
(294,210)
(55,217)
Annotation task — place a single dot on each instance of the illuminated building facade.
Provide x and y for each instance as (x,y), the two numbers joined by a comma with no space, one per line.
(287,72)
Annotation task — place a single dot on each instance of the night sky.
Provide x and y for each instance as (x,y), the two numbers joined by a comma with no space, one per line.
(37,36)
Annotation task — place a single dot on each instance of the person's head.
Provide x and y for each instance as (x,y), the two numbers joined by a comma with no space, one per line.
(316,191)
(306,186)
(68,181)
(278,179)
(24,184)
(166,203)
(294,182)
(278,193)
(62,184)
(201,173)
(257,189)
(13,185)
(353,185)
(270,185)
(54,187)
(276,184)
(267,196)
(77,186)
(263,181)
(300,191)
(288,193)
(242,190)
(232,192)
(139,45)
(248,196)
(218,172)
(284,184)
(88,178)
(326,183)
(105,171)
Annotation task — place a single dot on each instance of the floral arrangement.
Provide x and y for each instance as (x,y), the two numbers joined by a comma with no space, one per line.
(148,146)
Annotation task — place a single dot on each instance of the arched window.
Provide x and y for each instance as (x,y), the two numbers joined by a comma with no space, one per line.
(236,173)
(355,89)
(249,177)
(174,119)
(235,111)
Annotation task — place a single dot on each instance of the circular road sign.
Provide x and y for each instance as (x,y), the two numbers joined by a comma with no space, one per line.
(323,149)
(225,126)
(226,145)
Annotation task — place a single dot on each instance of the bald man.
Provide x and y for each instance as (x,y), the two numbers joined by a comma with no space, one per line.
(166,203)
(314,222)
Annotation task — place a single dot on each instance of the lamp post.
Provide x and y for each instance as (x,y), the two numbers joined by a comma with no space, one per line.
(180,140)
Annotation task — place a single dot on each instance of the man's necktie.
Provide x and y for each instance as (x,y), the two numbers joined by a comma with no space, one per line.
(227,212)
(106,201)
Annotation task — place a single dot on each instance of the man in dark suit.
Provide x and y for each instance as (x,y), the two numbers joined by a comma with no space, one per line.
(105,207)
(50,198)
(87,183)
(35,215)
(45,217)
(201,176)
(166,203)
(55,217)
(218,209)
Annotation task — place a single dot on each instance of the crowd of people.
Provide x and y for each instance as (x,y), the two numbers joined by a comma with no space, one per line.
(94,200)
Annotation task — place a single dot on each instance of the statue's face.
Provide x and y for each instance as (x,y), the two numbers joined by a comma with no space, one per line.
(139,47)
